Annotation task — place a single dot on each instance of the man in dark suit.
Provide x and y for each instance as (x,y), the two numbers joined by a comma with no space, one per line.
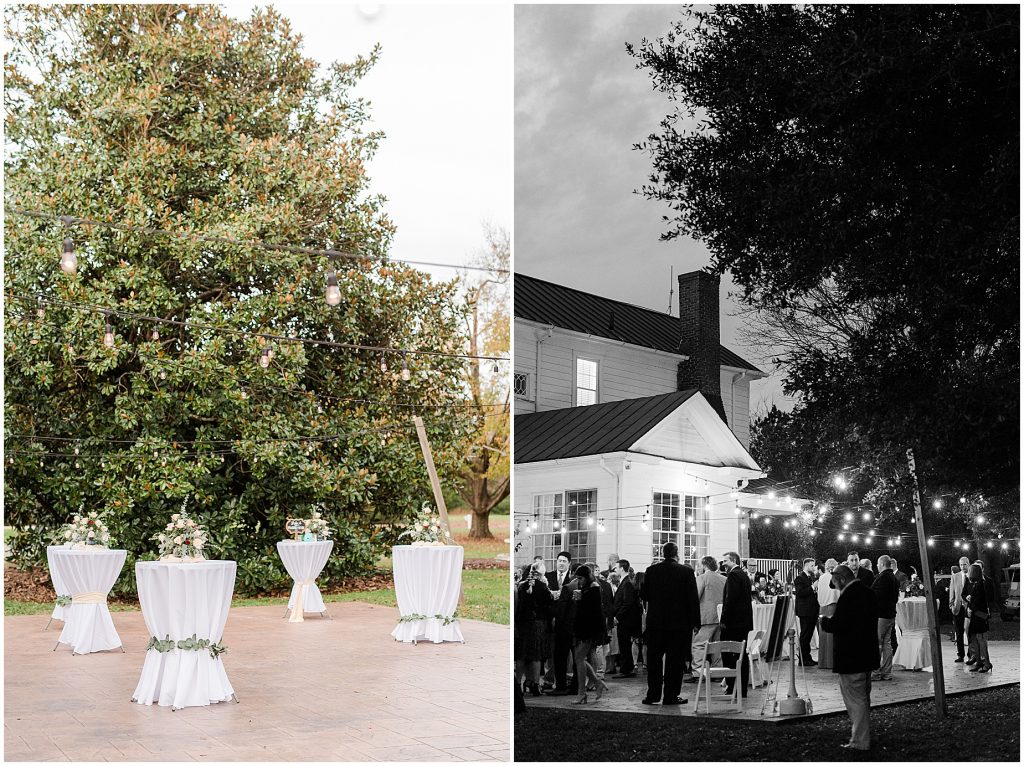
(673,615)
(559,582)
(737,618)
(806,610)
(628,615)
(887,593)
(855,627)
(861,573)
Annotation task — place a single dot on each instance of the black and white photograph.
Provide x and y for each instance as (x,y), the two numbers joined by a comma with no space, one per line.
(766,456)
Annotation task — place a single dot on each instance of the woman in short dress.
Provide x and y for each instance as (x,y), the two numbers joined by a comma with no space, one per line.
(533,609)
(978,615)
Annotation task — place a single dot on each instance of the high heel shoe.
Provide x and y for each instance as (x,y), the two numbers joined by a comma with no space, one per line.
(579,700)
(601,689)
(979,668)
(987,668)
(534,690)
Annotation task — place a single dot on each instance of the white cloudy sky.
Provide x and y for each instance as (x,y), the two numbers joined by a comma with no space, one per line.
(442,93)
(580,105)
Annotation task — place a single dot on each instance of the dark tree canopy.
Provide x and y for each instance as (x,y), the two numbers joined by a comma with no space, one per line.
(856,169)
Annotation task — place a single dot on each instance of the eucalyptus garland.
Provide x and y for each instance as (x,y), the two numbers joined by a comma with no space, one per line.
(63,600)
(417,617)
(191,644)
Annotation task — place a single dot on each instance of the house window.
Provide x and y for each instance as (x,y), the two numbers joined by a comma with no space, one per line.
(562,525)
(683,520)
(586,382)
(521,385)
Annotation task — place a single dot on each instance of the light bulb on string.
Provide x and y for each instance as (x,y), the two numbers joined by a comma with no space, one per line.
(812,532)
(823,508)
(736,509)
(840,537)
(1004,546)
(333,293)
(866,516)
(734,494)
(771,495)
(265,357)
(68,259)
(495,369)
(846,527)
(936,504)
(155,335)
(848,517)
(383,364)
(108,332)
(556,524)
(979,519)
(406,375)
(590,521)
(743,526)
(767,520)
(40,308)
(899,541)
(760,501)
(931,541)
(989,544)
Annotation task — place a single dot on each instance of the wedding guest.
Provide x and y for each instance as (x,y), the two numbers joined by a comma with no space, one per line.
(958,608)
(737,619)
(534,602)
(599,659)
(978,612)
(965,589)
(710,590)
(613,561)
(901,577)
(588,632)
(866,564)
(853,564)
(887,593)
(639,655)
(627,618)
(855,629)
(806,610)
(827,595)
(673,614)
(559,583)
(612,656)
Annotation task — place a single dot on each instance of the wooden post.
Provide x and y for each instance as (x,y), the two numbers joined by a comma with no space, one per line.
(938,677)
(435,483)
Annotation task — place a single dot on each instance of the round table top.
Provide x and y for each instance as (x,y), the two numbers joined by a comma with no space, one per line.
(305,542)
(143,565)
(92,550)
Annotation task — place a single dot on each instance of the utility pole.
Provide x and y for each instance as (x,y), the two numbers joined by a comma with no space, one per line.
(938,676)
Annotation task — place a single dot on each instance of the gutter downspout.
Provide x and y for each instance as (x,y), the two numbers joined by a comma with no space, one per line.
(618,504)
(536,364)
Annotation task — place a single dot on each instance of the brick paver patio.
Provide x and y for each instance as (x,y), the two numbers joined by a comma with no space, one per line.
(624,695)
(322,690)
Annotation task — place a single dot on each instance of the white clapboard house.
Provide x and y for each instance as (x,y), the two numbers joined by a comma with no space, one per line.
(631,428)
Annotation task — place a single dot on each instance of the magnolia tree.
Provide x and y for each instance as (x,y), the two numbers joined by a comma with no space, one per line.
(181,119)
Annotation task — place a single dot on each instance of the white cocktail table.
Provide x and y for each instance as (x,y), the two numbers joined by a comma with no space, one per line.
(87,577)
(185,607)
(304,562)
(913,639)
(428,582)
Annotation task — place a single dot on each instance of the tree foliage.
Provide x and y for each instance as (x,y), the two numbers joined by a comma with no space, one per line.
(180,118)
(856,169)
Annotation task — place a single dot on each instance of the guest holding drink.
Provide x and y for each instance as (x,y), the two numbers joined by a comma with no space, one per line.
(532,611)
(589,632)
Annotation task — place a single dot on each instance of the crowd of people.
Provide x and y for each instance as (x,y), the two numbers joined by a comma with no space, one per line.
(577,626)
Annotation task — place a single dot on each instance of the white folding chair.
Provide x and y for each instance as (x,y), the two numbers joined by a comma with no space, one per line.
(754,641)
(707,673)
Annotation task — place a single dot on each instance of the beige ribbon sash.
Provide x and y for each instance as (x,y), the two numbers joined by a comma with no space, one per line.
(89,597)
(299,607)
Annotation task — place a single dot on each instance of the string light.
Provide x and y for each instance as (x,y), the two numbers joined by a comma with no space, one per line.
(68,259)
(840,537)
(931,541)
(848,517)
(265,357)
(963,500)
(155,335)
(333,293)
(899,541)
(989,544)
(936,504)
(108,333)
(866,516)
(406,375)
(812,532)
(1004,546)
(979,519)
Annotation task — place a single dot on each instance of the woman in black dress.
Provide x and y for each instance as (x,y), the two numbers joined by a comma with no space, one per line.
(532,612)
(978,614)
(589,632)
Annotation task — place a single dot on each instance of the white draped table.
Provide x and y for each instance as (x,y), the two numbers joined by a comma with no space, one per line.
(180,601)
(428,581)
(57,578)
(304,562)
(913,648)
(87,576)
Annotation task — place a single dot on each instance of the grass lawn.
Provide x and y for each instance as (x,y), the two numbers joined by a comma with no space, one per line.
(906,732)
(474,549)
(486,594)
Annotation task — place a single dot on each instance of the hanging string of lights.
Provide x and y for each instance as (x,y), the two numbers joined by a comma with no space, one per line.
(69,260)
(266,353)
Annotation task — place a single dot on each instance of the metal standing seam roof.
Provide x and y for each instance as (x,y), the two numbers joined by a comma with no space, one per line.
(547,303)
(592,430)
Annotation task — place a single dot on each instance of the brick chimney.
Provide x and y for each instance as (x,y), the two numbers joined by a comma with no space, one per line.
(700,337)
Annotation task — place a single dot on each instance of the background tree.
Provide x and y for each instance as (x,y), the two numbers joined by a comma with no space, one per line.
(856,169)
(180,118)
(484,475)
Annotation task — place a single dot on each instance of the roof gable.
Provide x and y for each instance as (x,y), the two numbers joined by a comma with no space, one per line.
(545,302)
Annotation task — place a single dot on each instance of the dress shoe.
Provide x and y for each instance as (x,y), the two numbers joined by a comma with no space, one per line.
(690,680)
(959,659)
(649,701)
(810,664)
(675,701)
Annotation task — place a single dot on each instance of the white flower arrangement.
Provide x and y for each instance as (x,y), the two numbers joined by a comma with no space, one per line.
(85,530)
(183,539)
(317,525)
(426,529)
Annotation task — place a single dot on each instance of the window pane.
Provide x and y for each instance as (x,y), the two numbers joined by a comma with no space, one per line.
(585,398)
(581,537)
(586,374)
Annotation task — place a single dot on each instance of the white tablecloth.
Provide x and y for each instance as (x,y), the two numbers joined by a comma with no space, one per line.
(428,581)
(914,649)
(57,578)
(87,576)
(304,562)
(763,614)
(179,600)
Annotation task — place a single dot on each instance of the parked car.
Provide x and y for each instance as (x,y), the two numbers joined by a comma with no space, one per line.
(1011,602)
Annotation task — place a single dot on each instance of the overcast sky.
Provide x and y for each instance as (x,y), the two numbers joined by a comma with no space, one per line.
(580,105)
(442,94)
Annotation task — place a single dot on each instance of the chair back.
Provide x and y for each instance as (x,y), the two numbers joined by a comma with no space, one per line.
(755,642)
(732,647)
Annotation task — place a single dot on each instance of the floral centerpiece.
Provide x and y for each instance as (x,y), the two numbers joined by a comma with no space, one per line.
(183,539)
(914,588)
(317,526)
(84,531)
(426,529)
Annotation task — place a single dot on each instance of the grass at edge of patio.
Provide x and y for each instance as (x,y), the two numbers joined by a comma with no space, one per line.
(486,593)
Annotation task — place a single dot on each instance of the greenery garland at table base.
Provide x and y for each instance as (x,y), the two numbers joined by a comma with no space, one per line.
(63,600)
(191,644)
(417,617)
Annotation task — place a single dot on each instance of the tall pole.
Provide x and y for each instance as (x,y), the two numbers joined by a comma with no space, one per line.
(938,676)
(435,483)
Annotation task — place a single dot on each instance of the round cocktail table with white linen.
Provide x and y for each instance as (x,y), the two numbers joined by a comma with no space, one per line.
(87,576)
(304,562)
(913,647)
(180,601)
(428,581)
